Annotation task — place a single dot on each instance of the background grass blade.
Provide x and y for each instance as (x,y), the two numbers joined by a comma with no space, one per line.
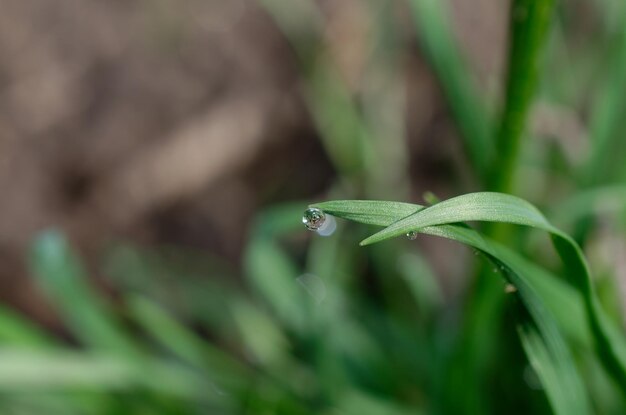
(530,20)
(470,112)
(64,280)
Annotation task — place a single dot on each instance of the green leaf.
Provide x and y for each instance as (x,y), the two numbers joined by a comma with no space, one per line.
(442,220)
(16,330)
(370,212)
(529,23)
(470,112)
(607,116)
(184,343)
(498,207)
(63,278)
(485,206)
(556,374)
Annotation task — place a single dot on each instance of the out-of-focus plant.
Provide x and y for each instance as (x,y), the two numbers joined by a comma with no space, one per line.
(322,326)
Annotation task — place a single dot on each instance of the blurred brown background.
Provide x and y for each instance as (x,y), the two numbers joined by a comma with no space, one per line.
(143,119)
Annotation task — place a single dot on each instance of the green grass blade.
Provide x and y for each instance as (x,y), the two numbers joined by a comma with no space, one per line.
(530,20)
(569,396)
(64,280)
(607,117)
(565,391)
(369,212)
(16,330)
(37,371)
(183,343)
(543,355)
(497,207)
(483,206)
(468,109)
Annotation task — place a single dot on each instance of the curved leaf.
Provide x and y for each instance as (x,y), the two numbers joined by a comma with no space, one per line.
(499,207)
(443,220)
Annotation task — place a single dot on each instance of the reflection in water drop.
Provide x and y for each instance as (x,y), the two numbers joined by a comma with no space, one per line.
(314,285)
(328,227)
(510,288)
(412,235)
(313,219)
(531,378)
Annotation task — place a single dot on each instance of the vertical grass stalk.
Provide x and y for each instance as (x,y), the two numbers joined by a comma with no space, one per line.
(530,20)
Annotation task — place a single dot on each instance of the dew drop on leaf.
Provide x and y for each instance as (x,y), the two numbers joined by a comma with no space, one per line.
(313,219)
(510,288)
(412,235)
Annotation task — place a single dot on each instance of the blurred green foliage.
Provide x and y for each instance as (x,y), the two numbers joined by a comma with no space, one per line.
(322,326)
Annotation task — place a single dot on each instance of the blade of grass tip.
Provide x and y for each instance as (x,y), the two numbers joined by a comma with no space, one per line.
(62,277)
(530,20)
(369,212)
(569,396)
(468,109)
(498,207)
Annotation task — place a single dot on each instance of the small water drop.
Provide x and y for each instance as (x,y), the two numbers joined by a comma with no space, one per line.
(476,253)
(510,288)
(531,378)
(412,235)
(329,226)
(313,219)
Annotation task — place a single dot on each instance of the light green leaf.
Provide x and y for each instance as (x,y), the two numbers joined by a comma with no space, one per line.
(63,278)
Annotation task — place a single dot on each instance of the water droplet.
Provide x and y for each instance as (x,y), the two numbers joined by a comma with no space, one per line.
(412,235)
(510,288)
(329,226)
(313,219)
(476,253)
(531,378)
(495,269)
